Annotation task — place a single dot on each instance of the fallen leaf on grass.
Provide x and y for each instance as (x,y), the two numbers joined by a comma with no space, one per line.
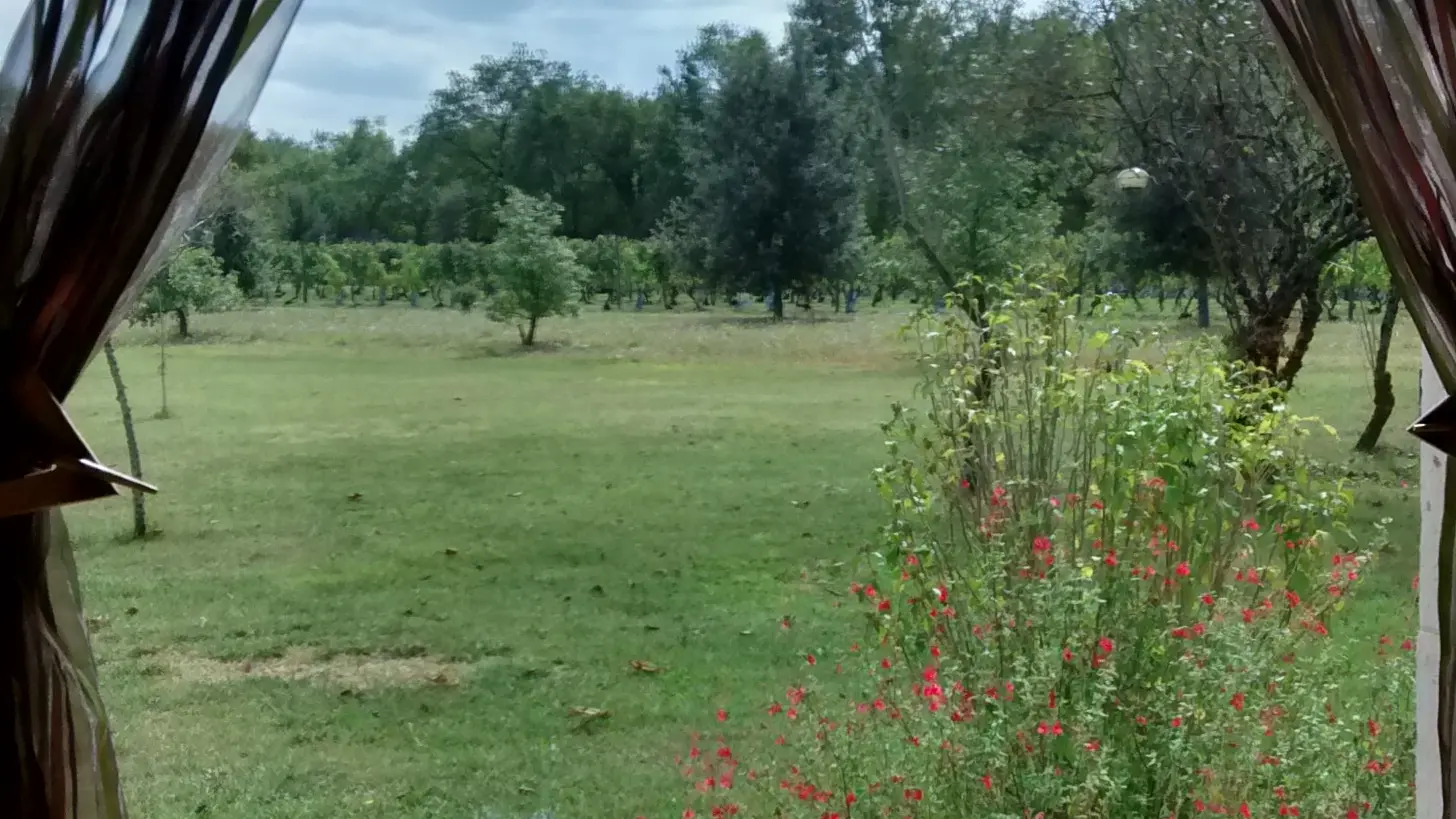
(646,667)
(588,716)
(353,496)
(451,552)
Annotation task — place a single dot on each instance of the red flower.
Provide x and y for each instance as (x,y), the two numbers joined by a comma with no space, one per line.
(1251,525)
(986,781)
(1292,597)
(1105,644)
(1093,745)
(1052,698)
(1057,728)
(1066,655)
(885,663)
(1140,719)
(1176,722)
(1373,726)
(935,652)
(1182,569)
(914,795)
(688,814)
(1237,701)
(1206,599)
(1407,645)
(725,752)
(1180,633)
(884,605)
(1244,810)
(722,715)
(1199,629)
(1248,615)
(1041,544)
(809,658)
(1198,806)
(941,594)
(850,799)
(1042,729)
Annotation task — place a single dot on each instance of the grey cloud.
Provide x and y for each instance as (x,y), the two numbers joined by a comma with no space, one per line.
(351,58)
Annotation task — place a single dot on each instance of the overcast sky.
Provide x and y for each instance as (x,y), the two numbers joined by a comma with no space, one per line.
(350,58)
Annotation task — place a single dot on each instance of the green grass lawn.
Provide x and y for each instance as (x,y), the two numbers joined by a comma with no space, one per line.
(395,551)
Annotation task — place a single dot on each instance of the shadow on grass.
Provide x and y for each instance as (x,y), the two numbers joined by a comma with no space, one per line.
(503,348)
(765,320)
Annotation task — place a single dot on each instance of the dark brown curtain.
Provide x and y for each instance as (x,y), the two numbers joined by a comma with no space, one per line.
(1380,75)
(115,117)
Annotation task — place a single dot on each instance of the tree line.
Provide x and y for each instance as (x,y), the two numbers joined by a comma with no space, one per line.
(878,148)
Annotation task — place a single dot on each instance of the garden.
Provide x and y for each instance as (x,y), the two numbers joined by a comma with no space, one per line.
(936,411)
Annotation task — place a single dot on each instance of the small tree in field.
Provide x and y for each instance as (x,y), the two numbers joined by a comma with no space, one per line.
(191,281)
(536,271)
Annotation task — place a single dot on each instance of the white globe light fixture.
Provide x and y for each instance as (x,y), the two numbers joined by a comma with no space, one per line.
(1133,179)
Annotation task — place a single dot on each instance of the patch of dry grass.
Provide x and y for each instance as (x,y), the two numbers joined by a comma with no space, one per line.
(352,672)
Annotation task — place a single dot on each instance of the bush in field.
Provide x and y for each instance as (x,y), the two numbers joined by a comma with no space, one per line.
(1109,587)
(462,266)
(614,267)
(536,272)
(191,281)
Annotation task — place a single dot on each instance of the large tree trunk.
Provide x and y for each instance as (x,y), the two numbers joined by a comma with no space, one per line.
(134,452)
(1205,318)
(1384,386)
(183,329)
(528,333)
(1260,342)
(777,304)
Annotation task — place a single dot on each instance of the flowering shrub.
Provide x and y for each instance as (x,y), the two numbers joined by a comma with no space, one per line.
(1110,587)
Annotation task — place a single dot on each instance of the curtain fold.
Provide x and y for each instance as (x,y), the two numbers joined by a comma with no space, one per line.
(114,118)
(1380,76)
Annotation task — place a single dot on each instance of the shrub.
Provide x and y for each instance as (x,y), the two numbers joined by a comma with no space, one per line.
(1110,587)
(535,269)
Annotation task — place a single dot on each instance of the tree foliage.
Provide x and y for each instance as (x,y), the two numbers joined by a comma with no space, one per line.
(977,134)
(191,281)
(536,271)
(774,198)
